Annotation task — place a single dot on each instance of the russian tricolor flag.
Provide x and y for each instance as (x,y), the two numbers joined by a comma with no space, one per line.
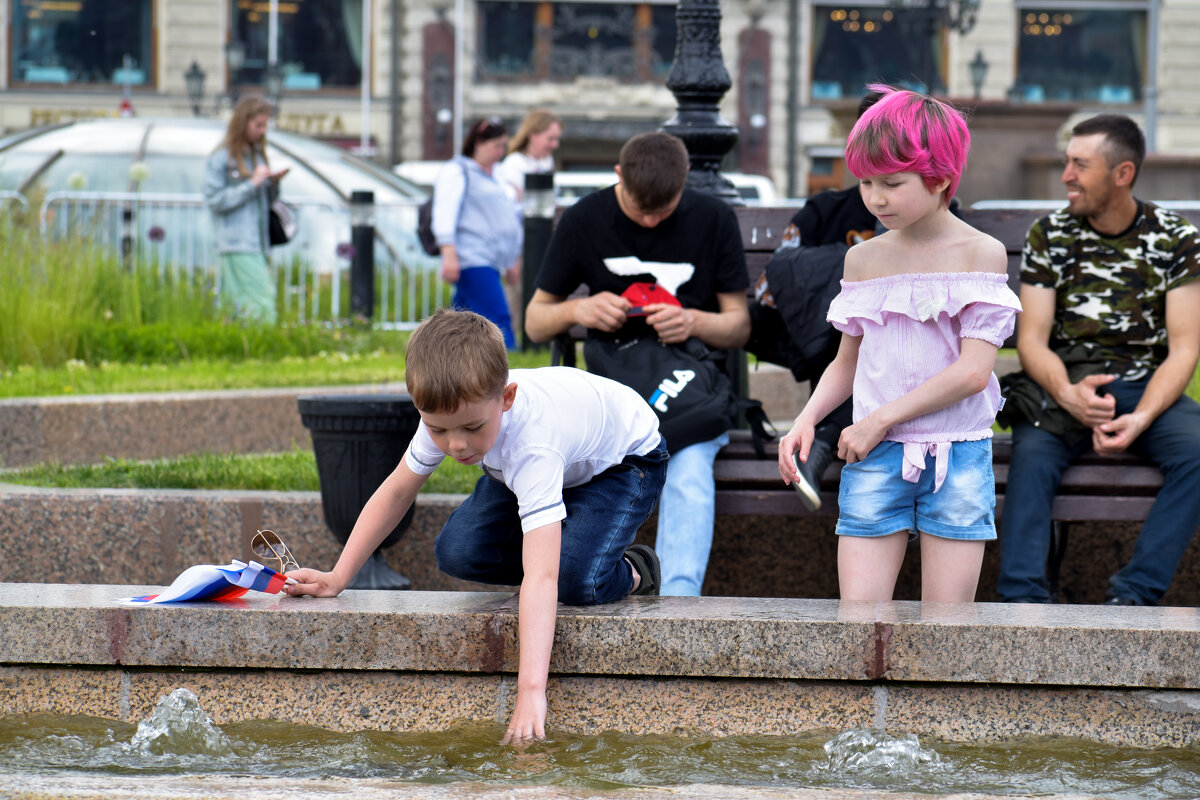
(210,582)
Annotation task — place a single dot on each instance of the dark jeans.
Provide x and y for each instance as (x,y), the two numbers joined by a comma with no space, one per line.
(482,539)
(1038,460)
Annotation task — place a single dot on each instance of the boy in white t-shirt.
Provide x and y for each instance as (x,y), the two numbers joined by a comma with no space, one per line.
(574,465)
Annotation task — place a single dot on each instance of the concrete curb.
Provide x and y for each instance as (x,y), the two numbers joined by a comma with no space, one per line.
(428,660)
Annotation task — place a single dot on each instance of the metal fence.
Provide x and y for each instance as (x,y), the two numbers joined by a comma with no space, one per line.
(172,233)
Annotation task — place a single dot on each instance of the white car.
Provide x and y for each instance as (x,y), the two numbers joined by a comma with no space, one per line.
(570,185)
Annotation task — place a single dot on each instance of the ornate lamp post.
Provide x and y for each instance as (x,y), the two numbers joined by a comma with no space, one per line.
(194,80)
(235,57)
(979,68)
(925,19)
(698,79)
(275,86)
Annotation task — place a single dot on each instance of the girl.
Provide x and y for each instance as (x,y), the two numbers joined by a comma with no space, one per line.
(923,309)
(531,150)
(239,188)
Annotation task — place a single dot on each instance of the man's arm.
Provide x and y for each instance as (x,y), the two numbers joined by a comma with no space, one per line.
(728,327)
(536,613)
(548,315)
(1080,400)
(1168,381)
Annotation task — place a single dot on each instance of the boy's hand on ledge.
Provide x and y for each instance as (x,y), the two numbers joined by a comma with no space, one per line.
(314,582)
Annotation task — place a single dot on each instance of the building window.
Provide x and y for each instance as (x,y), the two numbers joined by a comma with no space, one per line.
(82,41)
(506,38)
(1073,54)
(545,41)
(862,44)
(320,42)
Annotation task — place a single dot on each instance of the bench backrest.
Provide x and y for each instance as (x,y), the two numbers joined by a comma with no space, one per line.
(762,231)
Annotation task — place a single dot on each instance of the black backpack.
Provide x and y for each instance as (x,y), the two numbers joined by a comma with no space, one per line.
(425,221)
(425,228)
(689,391)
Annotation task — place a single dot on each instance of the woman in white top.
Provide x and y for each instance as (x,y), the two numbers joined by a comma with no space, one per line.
(530,150)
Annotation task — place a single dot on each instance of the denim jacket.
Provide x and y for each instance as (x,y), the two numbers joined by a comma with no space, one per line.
(240,209)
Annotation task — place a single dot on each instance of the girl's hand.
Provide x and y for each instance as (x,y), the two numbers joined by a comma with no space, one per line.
(799,439)
(261,174)
(314,582)
(859,440)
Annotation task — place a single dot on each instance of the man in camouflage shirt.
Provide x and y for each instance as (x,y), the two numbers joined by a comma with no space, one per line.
(1111,333)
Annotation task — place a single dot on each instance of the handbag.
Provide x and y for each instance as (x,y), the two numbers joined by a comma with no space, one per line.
(281,226)
(684,384)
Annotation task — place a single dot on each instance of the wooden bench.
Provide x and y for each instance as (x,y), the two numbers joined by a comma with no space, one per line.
(1093,488)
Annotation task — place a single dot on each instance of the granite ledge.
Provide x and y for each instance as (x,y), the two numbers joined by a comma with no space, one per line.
(475,632)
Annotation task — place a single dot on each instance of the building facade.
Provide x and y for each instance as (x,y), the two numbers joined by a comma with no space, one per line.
(1024,69)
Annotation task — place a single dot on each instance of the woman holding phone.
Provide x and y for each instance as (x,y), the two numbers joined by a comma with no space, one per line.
(239,187)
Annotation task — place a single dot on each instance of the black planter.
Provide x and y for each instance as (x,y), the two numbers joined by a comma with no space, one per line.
(358,441)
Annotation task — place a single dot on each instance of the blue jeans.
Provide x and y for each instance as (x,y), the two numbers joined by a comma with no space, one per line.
(1038,460)
(482,540)
(479,290)
(685,517)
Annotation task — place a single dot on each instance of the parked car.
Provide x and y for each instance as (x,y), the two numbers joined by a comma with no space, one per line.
(92,158)
(570,185)
(135,185)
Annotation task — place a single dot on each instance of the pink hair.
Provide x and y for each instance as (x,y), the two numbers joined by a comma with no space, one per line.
(909,132)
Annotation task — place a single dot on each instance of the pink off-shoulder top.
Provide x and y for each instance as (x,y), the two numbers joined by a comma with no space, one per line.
(912,326)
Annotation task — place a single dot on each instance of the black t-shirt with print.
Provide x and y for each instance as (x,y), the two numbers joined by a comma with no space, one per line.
(702,231)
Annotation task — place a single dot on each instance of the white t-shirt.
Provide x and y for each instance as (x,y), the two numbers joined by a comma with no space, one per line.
(565,427)
(515,166)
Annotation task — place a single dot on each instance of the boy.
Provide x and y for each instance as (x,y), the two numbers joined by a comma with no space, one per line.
(574,465)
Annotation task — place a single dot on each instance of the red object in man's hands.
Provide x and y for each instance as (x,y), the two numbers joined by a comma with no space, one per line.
(643,294)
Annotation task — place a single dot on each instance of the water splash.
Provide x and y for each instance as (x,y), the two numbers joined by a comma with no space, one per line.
(179,726)
(862,750)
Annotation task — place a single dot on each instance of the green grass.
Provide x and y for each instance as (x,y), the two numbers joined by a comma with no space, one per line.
(295,471)
(335,368)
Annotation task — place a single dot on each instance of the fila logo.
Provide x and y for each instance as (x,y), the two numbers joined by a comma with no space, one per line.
(671,388)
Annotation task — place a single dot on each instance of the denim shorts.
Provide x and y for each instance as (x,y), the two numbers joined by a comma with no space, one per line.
(874,500)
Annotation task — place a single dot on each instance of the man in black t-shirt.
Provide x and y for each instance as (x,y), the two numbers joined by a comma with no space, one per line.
(649,228)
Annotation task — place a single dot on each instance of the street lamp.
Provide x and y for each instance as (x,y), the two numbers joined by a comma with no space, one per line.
(194,79)
(979,68)
(274,85)
(235,57)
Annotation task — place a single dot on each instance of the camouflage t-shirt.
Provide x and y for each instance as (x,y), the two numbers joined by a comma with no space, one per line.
(1111,292)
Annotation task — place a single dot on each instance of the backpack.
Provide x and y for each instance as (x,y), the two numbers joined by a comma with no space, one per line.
(425,228)
(692,396)
(425,235)
(787,323)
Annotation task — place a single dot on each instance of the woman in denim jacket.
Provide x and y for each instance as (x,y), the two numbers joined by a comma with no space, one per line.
(239,188)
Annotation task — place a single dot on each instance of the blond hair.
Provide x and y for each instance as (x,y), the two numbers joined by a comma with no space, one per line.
(235,141)
(536,121)
(455,357)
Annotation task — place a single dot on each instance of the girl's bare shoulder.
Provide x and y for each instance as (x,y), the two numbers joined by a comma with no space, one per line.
(863,260)
(984,253)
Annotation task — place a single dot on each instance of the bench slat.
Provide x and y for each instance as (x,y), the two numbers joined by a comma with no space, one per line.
(1067,508)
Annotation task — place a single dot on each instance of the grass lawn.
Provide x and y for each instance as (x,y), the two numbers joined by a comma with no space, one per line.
(322,369)
(295,471)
